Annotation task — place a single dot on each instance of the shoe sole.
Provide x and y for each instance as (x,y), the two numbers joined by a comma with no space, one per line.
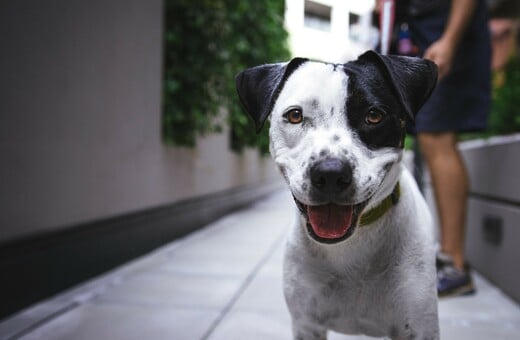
(465,290)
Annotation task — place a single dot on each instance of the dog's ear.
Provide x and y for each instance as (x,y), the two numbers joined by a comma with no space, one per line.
(258,88)
(413,79)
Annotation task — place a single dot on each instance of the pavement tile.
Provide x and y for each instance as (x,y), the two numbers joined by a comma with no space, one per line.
(125,322)
(16,324)
(256,229)
(174,290)
(264,294)
(253,325)
(338,336)
(465,329)
(207,248)
(210,266)
(214,259)
(489,314)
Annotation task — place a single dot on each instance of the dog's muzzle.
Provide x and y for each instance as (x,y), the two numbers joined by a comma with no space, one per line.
(331,222)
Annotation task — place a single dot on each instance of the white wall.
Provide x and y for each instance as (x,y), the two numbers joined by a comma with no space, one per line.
(80,114)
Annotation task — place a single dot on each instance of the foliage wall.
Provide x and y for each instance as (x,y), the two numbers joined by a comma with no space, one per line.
(207,43)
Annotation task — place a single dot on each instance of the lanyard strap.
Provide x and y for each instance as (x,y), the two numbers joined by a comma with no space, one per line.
(386,23)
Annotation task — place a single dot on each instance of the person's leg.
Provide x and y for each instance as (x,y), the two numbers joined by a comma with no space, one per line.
(450,185)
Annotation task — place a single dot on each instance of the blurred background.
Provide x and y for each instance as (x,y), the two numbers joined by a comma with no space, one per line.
(120,130)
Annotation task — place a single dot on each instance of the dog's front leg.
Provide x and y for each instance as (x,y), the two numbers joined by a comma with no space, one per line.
(305,331)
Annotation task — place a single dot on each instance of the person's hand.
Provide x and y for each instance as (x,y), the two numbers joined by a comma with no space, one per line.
(441,53)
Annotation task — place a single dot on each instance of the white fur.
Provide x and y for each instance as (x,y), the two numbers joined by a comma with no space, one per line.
(381,280)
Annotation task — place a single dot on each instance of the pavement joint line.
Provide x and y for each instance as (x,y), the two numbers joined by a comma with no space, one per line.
(43,321)
(227,308)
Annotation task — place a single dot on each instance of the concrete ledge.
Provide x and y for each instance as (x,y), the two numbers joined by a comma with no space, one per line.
(43,265)
(493,165)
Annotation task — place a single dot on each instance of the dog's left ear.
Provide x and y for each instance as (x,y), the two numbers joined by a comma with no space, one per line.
(258,88)
(413,79)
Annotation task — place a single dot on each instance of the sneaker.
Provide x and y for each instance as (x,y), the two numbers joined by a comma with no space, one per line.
(452,281)
(442,260)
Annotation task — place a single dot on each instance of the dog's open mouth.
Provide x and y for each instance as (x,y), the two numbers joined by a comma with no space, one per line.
(331,223)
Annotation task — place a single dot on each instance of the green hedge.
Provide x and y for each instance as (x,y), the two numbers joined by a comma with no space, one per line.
(505,109)
(207,43)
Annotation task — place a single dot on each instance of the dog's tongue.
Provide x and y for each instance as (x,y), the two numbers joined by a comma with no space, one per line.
(330,220)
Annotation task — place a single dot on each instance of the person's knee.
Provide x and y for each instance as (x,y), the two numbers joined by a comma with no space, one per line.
(433,144)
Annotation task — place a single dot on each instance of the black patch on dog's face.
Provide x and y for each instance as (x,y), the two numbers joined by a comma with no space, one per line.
(369,90)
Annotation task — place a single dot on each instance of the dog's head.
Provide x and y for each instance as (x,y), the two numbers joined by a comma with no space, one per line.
(337,130)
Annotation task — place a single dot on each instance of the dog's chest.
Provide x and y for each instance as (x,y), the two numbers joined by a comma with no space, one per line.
(351,301)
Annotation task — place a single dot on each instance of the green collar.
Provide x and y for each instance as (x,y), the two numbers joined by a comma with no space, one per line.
(375,213)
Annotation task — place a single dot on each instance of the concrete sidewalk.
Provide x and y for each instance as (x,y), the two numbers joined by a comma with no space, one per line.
(220,283)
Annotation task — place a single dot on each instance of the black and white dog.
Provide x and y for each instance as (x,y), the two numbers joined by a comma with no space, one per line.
(360,257)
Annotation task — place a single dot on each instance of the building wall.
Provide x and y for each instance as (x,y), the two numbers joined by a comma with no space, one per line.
(335,44)
(80,115)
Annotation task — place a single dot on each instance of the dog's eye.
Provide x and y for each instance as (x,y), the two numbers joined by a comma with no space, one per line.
(374,116)
(294,116)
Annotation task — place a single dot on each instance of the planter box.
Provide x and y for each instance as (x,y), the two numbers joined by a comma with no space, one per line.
(493,230)
(493,217)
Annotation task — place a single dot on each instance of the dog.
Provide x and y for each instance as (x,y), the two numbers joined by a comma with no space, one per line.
(360,258)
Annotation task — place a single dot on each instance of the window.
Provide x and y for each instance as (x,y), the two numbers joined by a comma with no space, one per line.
(317,16)
(353,19)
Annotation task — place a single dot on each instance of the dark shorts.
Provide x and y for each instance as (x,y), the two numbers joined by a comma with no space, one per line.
(461,101)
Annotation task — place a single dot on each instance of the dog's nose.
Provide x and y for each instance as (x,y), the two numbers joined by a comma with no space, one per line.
(331,176)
